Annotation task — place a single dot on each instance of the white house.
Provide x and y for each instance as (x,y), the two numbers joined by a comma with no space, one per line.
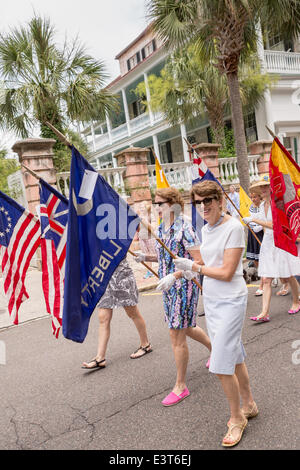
(132,126)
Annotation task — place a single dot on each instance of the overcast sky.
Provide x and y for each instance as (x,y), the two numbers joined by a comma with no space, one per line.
(105,27)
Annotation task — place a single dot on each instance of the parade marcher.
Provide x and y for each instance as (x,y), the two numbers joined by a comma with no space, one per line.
(235,198)
(253,246)
(225,302)
(121,291)
(180,295)
(273,262)
(146,241)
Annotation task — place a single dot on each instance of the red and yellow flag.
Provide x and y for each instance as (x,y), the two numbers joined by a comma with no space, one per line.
(285,197)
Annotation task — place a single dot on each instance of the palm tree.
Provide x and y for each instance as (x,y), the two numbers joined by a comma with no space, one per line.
(225,31)
(43,82)
(187,88)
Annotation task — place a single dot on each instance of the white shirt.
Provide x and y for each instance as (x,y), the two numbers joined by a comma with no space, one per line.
(230,234)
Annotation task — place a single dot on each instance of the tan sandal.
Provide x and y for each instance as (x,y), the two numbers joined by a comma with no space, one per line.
(252,413)
(231,426)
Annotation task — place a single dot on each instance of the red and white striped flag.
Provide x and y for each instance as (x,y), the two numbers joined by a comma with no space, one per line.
(19,240)
(54,215)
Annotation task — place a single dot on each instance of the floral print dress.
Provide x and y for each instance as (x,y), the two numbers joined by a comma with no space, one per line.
(180,301)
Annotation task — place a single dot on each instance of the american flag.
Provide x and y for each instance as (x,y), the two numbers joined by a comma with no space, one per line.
(19,240)
(53,215)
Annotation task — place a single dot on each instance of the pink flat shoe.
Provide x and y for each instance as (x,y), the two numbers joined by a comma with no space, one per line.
(208,363)
(292,312)
(260,319)
(173,399)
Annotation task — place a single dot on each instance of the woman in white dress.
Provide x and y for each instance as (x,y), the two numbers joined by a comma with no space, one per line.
(273,262)
(225,302)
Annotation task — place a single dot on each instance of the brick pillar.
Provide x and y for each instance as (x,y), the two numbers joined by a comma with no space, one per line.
(37,155)
(209,154)
(262,148)
(136,177)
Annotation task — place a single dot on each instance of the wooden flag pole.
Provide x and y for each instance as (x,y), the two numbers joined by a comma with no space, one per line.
(144,264)
(148,226)
(58,134)
(228,198)
(33,173)
(271,132)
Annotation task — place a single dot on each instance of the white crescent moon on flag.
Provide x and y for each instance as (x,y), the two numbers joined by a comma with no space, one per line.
(84,208)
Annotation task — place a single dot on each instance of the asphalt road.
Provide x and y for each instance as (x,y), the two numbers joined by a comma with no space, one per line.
(49,402)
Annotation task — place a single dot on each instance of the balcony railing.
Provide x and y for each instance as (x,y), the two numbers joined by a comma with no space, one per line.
(282,62)
(178,175)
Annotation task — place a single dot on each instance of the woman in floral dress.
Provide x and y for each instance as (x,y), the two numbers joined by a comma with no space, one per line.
(180,293)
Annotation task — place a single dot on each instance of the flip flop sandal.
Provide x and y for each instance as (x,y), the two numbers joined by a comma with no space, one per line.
(282,292)
(252,413)
(96,366)
(144,349)
(231,426)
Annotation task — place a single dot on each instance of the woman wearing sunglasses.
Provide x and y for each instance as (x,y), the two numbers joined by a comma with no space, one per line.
(180,293)
(225,302)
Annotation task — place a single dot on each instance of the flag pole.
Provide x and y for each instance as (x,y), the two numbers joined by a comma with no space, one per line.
(227,197)
(271,132)
(33,173)
(58,134)
(144,264)
(149,227)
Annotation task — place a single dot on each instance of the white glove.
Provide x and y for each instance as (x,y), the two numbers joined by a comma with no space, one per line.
(183,264)
(166,282)
(139,256)
(189,275)
(247,220)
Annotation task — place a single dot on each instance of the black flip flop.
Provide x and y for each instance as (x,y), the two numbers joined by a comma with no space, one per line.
(97,366)
(145,349)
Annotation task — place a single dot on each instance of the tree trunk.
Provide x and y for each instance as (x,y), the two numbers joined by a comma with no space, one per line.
(239,130)
(216,119)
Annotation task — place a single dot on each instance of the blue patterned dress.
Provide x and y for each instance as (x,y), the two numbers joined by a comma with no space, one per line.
(180,302)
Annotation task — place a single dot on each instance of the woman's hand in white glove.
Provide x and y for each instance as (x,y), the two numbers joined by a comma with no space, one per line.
(139,256)
(183,264)
(166,282)
(189,275)
(247,220)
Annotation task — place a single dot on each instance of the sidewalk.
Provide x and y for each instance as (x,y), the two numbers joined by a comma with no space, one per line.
(34,307)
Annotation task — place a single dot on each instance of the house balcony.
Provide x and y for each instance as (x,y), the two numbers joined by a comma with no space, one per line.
(282,62)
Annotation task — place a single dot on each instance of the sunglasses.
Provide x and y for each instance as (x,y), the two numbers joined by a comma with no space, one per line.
(159,203)
(206,201)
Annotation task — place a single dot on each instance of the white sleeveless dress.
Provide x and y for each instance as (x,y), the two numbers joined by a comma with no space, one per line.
(274,262)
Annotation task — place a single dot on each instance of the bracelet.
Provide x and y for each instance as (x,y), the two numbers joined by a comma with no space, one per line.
(199,269)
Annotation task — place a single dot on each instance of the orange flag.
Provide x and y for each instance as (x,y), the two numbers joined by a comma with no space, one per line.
(285,197)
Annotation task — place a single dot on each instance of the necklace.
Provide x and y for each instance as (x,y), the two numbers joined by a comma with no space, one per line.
(211,227)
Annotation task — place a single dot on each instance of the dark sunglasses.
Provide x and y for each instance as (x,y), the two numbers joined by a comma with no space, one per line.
(206,201)
(159,203)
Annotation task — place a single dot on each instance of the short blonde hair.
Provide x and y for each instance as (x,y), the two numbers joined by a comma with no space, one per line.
(207,189)
(171,195)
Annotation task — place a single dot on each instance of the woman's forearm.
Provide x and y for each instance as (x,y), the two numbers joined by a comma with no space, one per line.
(151,258)
(263,223)
(220,273)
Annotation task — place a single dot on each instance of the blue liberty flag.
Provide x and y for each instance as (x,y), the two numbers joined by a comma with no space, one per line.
(101,227)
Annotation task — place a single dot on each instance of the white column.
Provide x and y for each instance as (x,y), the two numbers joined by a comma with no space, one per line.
(93,136)
(108,128)
(156,147)
(126,111)
(186,155)
(148,96)
(267,95)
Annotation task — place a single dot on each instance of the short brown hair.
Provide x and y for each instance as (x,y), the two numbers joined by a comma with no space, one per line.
(171,195)
(207,189)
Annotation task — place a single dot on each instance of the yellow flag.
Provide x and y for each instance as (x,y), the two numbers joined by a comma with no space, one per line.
(161,180)
(245,203)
